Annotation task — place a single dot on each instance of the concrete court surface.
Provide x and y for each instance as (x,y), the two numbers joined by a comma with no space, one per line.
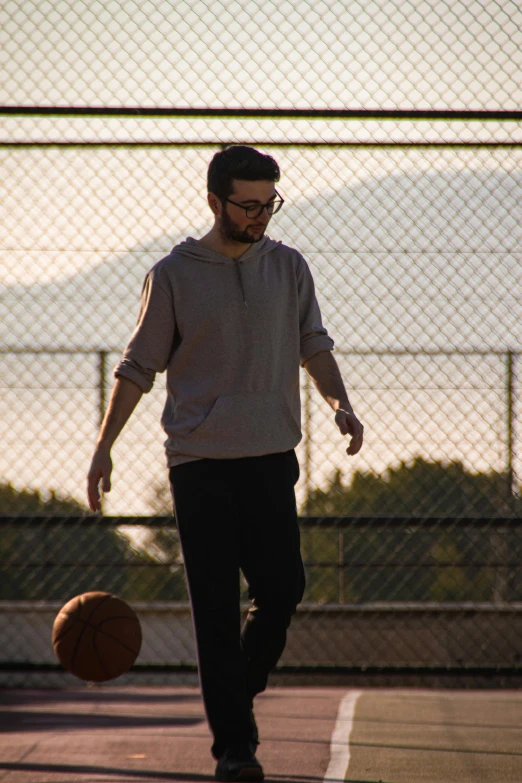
(104,734)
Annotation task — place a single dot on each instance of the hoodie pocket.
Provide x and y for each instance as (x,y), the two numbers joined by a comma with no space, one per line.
(244,424)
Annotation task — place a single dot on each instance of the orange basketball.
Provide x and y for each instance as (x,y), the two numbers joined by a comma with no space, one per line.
(96,636)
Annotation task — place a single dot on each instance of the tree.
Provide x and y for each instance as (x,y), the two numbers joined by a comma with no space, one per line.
(386,564)
(420,489)
(28,503)
(59,561)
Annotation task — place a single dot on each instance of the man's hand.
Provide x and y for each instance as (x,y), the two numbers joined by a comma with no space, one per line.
(348,423)
(101,469)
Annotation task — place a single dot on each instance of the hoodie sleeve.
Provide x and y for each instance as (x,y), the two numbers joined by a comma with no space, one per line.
(313,335)
(149,349)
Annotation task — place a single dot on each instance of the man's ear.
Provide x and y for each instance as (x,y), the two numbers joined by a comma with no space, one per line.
(215,204)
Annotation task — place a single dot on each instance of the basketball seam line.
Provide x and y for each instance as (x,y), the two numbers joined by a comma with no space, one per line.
(73,659)
(122,644)
(65,630)
(74,615)
(98,627)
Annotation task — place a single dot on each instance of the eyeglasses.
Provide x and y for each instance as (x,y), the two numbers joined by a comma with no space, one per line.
(255,210)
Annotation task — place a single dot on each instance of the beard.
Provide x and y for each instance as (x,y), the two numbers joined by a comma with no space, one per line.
(230,232)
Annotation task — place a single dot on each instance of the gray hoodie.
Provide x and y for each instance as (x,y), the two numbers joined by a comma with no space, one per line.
(231,335)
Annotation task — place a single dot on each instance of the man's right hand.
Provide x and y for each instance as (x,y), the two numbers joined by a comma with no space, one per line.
(125,396)
(100,470)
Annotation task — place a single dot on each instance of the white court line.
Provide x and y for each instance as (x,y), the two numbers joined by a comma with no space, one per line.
(340,742)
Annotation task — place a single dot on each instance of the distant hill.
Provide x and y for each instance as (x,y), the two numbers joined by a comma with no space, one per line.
(428,259)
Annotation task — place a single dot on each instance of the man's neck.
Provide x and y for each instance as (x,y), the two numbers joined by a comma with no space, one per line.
(213,241)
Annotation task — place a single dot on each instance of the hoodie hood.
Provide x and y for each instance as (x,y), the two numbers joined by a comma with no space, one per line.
(190,248)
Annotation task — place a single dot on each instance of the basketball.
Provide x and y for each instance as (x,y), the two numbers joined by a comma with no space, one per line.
(96,636)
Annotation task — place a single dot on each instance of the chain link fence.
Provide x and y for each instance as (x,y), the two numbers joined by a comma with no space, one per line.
(416,257)
(393,596)
(408,211)
(237,53)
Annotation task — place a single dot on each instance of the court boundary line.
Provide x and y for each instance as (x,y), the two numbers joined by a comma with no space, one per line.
(340,741)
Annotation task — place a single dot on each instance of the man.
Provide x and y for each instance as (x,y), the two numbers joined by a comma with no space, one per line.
(231,317)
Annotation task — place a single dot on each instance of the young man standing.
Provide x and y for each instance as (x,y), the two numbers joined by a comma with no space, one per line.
(231,317)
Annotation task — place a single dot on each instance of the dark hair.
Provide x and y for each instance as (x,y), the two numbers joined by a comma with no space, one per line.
(239,162)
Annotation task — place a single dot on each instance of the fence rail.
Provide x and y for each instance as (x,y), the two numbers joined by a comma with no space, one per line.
(383,595)
(506,115)
(510,359)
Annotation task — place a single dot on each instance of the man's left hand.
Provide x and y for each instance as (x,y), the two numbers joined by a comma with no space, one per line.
(349,424)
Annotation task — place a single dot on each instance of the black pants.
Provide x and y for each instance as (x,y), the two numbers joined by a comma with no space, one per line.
(238,514)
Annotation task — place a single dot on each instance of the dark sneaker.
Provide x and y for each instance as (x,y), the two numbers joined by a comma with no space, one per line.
(239,763)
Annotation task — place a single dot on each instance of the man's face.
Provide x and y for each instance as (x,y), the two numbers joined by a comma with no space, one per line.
(235,225)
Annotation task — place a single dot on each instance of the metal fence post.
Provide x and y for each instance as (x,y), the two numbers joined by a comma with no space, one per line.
(102,364)
(102,403)
(307,441)
(340,568)
(510,414)
(500,542)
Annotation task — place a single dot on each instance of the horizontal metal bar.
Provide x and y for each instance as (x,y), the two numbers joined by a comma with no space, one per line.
(333,564)
(420,523)
(450,669)
(57,351)
(24,606)
(354,352)
(81,564)
(369,564)
(391,669)
(306,144)
(428,352)
(310,113)
(27,666)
